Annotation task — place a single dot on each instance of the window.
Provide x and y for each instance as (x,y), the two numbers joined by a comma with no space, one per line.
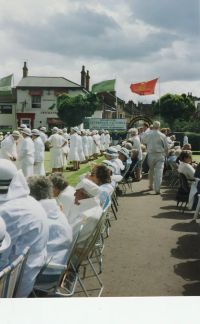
(36,101)
(5,109)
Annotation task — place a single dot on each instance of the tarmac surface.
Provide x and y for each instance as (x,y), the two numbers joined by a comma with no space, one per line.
(153,249)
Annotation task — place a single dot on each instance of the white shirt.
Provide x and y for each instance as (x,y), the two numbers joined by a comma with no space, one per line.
(87,214)
(187,170)
(60,234)
(26,223)
(39,150)
(8,148)
(66,199)
(26,151)
(156,142)
(43,137)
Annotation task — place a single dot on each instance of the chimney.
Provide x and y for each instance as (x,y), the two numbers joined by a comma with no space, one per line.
(25,70)
(83,77)
(87,86)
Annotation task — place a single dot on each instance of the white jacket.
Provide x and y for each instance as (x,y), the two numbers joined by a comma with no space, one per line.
(39,150)
(27,225)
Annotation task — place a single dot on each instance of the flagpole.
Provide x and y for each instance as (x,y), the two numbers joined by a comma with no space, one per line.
(159,98)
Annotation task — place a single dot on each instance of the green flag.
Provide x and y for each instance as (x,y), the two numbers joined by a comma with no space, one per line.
(104,86)
(5,85)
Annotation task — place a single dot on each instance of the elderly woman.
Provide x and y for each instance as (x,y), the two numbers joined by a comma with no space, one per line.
(185,165)
(100,175)
(62,192)
(60,232)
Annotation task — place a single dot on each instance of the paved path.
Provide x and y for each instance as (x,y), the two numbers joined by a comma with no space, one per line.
(153,250)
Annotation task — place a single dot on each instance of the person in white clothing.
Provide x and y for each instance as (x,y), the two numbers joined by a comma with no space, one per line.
(157,150)
(107,140)
(80,149)
(73,151)
(185,165)
(43,134)
(26,153)
(85,144)
(56,142)
(60,232)
(90,144)
(102,141)
(38,167)
(135,140)
(62,192)
(96,144)
(5,243)
(26,223)
(9,147)
(87,210)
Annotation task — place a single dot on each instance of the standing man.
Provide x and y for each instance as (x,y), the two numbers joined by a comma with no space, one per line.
(9,147)
(43,134)
(157,149)
(26,153)
(38,167)
(56,142)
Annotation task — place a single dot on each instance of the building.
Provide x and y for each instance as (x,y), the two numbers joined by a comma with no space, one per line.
(37,98)
(8,111)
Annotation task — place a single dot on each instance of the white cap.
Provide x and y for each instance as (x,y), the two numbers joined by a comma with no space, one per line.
(55,129)
(43,128)
(109,165)
(64,130)
(7,171)
(35,132)
(75,129)
(111,151)
(89,186)
(22,126)
(124,151)
(5,240)
(16,133)
(26,131)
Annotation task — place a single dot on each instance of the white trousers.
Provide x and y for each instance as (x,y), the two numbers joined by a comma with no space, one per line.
(156,166)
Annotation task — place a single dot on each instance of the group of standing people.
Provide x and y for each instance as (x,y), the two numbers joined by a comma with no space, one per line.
(25,148)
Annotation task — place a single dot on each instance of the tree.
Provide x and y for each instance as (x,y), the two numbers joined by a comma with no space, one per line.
(174,107)
(73,110)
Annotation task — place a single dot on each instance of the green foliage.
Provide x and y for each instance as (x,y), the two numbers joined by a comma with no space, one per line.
(193,139)
(73,110)
(172,107)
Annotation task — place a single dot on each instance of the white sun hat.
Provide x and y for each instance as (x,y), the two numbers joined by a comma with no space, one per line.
(89,186)
(26,131)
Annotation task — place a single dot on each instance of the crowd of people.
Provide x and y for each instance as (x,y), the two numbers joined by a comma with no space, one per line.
(45,213)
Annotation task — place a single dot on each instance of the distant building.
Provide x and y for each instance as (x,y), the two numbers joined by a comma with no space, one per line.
(8,111)
(37,98)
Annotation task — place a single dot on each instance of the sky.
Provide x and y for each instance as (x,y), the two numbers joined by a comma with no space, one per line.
(127,40)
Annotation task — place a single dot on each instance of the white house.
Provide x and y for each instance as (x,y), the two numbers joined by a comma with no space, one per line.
(37,94)
(8,111)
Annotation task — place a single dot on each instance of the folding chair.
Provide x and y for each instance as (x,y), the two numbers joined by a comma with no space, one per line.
(11,276)
(126,182)
(55,288)
(182,195)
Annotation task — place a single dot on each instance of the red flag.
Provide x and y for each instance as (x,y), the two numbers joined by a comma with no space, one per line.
(144,88)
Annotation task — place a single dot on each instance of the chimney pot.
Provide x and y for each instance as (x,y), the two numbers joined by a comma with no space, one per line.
(25,70)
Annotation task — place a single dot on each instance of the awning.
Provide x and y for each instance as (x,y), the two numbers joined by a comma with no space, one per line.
(54,121)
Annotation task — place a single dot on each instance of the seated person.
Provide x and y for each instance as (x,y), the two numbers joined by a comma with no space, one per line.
(187,147)
(62,192)
(115,178)
(60,232)
(185,165)
(100,175)
(87,210)
(125,158)
(26,223)
(111,154)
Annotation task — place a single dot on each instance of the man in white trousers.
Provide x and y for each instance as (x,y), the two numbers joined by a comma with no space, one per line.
(38,167)
(26,153)
(157,149)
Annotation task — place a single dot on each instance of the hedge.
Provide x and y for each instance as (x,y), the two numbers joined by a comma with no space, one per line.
(193,139)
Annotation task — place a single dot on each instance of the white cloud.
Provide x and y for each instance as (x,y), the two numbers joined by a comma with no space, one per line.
(132,41)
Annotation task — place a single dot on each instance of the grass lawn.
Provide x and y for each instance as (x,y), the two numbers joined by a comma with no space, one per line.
(196,158)
(72,177)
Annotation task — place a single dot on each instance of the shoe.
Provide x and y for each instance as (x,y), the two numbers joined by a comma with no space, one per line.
(150,188)
(157,193)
